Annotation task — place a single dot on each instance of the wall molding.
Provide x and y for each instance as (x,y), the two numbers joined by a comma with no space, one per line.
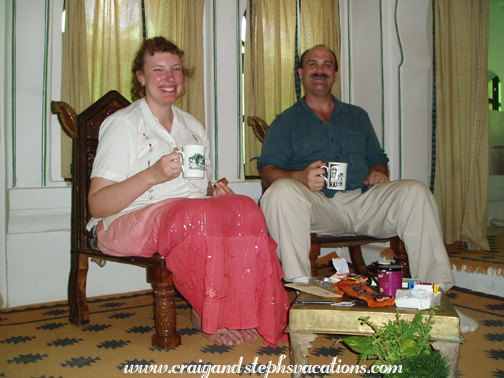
(38,210)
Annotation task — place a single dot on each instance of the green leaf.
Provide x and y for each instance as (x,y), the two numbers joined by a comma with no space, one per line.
(358,344)
(409,348)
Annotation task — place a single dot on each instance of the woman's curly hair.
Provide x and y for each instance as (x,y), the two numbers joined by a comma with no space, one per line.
(152,46)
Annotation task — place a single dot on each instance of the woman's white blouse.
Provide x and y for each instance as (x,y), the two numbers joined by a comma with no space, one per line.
(132,139)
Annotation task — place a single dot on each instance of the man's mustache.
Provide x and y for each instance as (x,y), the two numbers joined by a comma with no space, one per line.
(319,75)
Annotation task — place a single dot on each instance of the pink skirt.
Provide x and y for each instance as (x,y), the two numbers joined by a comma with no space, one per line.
(222,259)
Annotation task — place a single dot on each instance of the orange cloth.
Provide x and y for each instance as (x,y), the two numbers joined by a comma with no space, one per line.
(222,259)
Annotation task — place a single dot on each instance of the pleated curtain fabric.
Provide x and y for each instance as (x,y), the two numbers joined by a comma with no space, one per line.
(268,67)
(100,42)
(461,185)
(319,25)
(269,59)
(181,21)
(74,72)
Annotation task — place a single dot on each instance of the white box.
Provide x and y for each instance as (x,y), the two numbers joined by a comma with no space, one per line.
(418,299)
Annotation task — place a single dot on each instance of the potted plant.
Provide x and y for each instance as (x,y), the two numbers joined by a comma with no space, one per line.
(401,342)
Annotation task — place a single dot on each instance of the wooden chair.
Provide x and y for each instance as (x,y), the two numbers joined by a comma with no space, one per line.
(83,129)
(352,242)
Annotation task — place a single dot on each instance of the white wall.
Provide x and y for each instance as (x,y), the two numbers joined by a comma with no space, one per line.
(387,70)
(34,255)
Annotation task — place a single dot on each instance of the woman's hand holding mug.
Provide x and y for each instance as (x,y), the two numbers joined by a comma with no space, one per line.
(193,156)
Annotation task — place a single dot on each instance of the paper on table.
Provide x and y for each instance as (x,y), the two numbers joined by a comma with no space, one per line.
(312,289)
(341,265)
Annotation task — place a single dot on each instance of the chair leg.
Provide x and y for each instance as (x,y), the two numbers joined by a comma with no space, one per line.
(314,254)
(359,266)
(79,311)
(400,255)
(165,315)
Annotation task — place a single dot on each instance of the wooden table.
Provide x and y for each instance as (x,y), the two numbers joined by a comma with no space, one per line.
(307,321)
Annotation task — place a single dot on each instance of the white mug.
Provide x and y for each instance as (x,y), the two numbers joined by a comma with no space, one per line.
(336,175)
(193,166)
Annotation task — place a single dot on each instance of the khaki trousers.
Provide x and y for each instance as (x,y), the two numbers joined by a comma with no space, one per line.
(405,208)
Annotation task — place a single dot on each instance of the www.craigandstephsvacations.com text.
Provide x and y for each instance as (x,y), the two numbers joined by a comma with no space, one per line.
(205,370)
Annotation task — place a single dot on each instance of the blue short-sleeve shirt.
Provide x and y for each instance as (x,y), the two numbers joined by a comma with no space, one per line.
(298,137)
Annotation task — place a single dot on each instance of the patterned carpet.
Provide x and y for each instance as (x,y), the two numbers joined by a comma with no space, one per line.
(37,341)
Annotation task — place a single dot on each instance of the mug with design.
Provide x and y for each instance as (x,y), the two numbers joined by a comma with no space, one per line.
(193,166)
(336,175)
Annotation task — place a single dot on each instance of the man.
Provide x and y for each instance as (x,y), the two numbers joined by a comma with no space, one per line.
(318,129)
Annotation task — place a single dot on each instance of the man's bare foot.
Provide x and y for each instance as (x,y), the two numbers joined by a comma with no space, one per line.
(223,335)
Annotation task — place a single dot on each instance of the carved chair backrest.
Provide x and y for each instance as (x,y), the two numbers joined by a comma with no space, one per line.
(85,142)
(259,126)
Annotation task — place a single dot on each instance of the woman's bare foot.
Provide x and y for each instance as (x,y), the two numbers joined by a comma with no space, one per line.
(223,335)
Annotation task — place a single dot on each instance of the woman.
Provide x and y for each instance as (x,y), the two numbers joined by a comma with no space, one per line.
(215,242)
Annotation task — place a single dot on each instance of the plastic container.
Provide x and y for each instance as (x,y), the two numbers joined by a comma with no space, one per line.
(389,279)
